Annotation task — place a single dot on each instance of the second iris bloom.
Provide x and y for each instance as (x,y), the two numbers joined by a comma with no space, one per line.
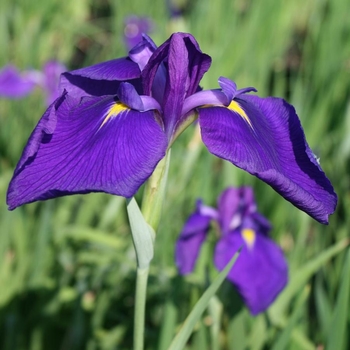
(260,272)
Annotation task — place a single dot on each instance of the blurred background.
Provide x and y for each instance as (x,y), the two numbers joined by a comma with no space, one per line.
(67,266)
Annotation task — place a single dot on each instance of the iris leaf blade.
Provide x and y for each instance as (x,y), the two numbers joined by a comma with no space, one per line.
(181,338)
(337,332)
(300,278)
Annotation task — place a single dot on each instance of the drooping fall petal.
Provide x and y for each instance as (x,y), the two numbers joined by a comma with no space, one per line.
(260,272)
(99,145)
(190,241)
(264,137)
(100,79)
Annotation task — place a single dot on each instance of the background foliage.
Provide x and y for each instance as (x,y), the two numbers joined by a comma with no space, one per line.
(67,266)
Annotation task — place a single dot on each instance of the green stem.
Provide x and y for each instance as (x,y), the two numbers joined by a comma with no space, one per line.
(140,307)
(143,227)
(154,193)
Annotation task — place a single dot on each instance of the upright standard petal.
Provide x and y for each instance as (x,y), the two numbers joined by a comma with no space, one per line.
(260,272)
(142,52)
(99,145)
(190,241)
(264,137)
(233,205)
(179,65)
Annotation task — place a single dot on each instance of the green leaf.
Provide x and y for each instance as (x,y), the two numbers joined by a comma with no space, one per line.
(91,235)
(284,339)
(323,306)
(300,278)
(215,308)
(142,235)
(337,332)
(258,336)
(168,325)
(237,335)
(183,335)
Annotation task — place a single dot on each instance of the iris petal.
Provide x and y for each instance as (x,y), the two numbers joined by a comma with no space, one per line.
(52,71)
(72,150)
(101,79)
(260,272)
(178,65)
(233,205)
(13,84)
(142,52)
(190,241)
(271,146)
(118,69)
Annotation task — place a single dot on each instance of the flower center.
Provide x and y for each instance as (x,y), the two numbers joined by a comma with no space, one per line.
(236,107)
(249,237)
(114,110)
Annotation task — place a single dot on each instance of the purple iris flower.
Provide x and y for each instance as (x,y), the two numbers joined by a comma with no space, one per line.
(134,28)
(260,272)
(115,121)
(16,84)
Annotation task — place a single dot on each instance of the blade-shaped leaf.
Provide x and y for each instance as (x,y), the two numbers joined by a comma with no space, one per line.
(284,339)
(337,332)
(181,338)
(142,234)
(300,278)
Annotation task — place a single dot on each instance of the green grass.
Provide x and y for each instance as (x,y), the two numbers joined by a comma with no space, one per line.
(67,266)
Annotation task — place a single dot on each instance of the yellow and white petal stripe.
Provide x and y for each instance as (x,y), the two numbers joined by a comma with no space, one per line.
(249,237)
(236,107)
(114,110)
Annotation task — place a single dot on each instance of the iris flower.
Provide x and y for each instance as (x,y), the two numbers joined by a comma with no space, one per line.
(134,28)
(260,272)
(114,121)
(16,84)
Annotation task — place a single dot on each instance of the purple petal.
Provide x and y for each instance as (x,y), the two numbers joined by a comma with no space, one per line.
(175,89)
(142,52)
(100,79)
(229,88)
(118,69)
(198,64)
(190,241)
(96,146)
(129,96)
(182,66)
(202,98)
(14,84)
(266,139)
(260,272)
(52,71)
(233,205)
(257,222)
(80,86)
(134,28)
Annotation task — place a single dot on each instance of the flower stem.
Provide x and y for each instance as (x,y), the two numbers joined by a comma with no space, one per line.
(153,195)
(140,307)
(143,227)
